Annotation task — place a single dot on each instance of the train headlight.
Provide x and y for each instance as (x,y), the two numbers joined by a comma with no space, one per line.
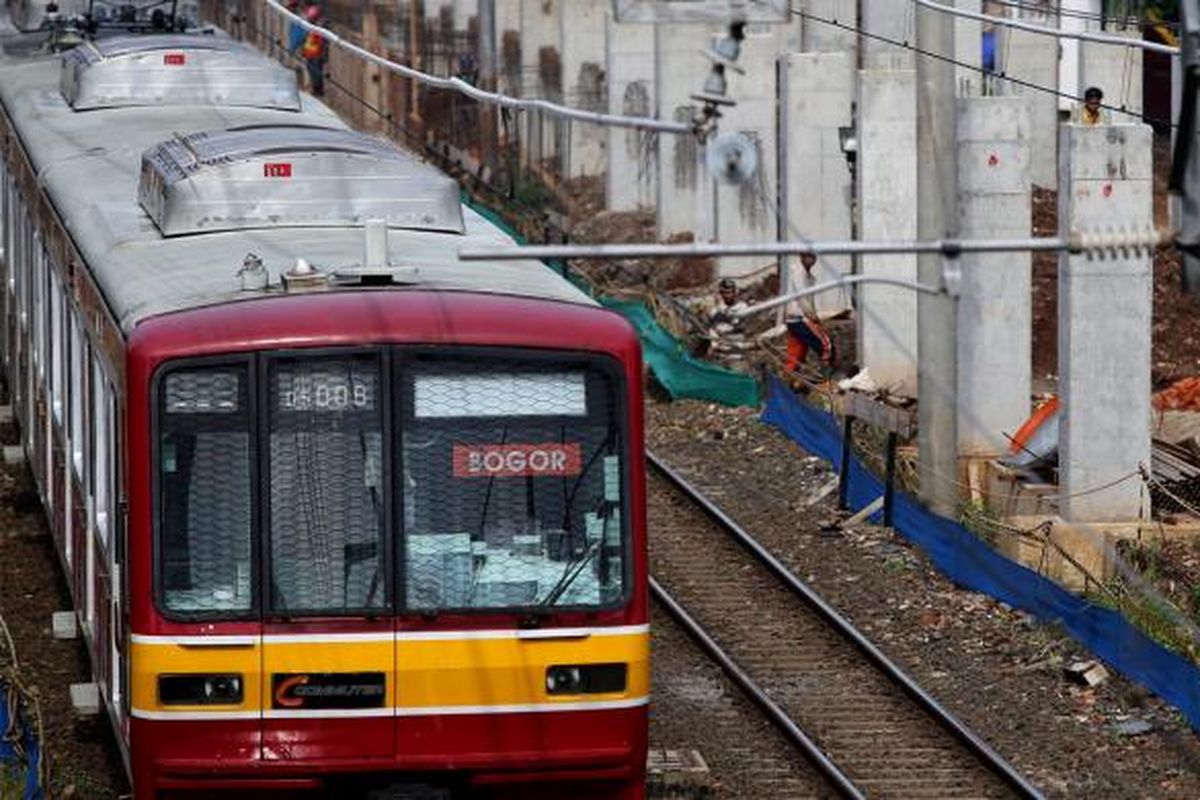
(200,690)
(585,678)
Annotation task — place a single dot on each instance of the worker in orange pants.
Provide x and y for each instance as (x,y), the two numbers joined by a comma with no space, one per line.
(804,334)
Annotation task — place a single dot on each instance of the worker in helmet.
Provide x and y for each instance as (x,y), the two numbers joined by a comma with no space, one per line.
(315,52)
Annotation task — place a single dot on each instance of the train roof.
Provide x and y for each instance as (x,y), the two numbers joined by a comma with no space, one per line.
(90,161)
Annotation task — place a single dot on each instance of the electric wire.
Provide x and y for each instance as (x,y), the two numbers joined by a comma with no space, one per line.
(1127,20)
(1083,36)
(905,45)
(494,98)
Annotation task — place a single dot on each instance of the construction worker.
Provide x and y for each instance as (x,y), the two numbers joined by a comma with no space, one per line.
(1092,112)
(804,328)
(314,52)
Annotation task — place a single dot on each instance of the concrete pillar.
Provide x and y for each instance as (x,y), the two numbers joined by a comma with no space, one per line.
(632,175)
(541,76)
(821,37)
(1104,315)
(1116,70)
(887,190)
(685,191)
(968,51)
(1033,59)
(583,78)
(1073,19)
(508,46)
(891,20)
(817,96)
(747,212)
(464,12)
(994,312)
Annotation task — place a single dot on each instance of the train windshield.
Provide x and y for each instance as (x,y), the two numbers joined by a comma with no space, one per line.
(377,480)
(512,486)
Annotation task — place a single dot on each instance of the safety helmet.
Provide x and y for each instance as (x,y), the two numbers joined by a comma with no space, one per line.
(312,13)
(727,285)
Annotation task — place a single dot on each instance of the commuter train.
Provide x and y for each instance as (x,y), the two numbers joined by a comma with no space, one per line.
(339,513)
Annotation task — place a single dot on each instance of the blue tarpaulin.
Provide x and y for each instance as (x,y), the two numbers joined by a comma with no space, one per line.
(19,759)
(970,562)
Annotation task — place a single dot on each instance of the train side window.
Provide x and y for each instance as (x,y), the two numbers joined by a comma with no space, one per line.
(102,432)
(327,484)
(5,220)
(76,391)
(204,455)
(57,340)
(39,323)
(512,485)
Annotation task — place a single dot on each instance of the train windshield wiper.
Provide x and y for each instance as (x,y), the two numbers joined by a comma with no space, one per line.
(571,573)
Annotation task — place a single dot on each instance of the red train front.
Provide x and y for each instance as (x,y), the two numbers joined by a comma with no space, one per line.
(415,556)
(375,523)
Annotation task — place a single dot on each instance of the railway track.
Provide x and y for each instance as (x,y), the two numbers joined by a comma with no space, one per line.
(862,724)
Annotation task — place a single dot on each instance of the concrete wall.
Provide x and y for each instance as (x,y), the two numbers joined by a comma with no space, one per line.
(540,76)
(1116,70)
(820,37)
(892,20)
(1033,58)
(818,96)
(968,50)
(632,174)
(747,212)
(887,189)
(1104,313)
(685,192)
(994,313)
(584,83)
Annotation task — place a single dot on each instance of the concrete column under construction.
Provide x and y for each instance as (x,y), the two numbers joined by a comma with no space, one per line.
(632,155)
(685,190)
(1116,70)
(747,212)
(1030,60)
(1104,316)
(541,76)
(583,78)
(994,311)
(887,190)
(816,101)
(828,26)
(968,51)
(887,21)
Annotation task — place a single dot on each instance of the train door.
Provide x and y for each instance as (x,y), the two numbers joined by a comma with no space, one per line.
(328,630)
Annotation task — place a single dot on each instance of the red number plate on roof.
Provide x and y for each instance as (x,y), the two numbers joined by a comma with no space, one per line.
(278,170)
(174,59)
(516,460)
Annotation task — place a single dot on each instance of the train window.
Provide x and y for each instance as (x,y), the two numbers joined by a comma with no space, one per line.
(327,484)
(38,322)
(57,362)
(76,392)
(102,443)
(204,490)
(512,485)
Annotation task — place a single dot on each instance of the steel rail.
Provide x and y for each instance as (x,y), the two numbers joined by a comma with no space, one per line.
(760,698)
(976,745)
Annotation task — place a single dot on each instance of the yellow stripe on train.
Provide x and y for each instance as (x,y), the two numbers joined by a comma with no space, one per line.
(435,673)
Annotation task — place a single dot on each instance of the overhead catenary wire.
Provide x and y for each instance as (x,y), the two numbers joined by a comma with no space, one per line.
(1073,13)
(1003,76)
(1083,36)
(494,98)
